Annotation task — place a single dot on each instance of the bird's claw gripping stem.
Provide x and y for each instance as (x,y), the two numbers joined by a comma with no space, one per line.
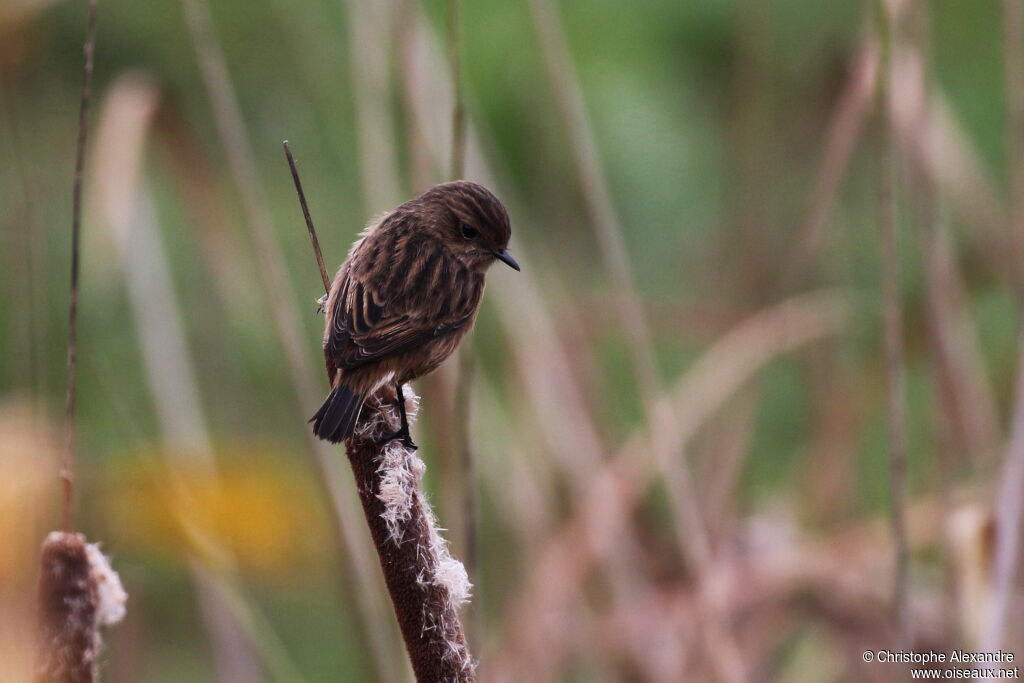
(403,431)
(403,435)
(321,304)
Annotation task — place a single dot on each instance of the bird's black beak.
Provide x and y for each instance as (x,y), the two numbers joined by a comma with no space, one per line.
(506,257)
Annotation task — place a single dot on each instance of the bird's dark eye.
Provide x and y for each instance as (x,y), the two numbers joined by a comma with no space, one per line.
(469,232)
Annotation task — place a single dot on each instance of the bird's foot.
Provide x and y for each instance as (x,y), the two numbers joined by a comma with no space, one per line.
(403,435)
(321,304)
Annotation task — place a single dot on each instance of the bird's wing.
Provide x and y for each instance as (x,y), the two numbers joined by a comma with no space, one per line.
(364,329)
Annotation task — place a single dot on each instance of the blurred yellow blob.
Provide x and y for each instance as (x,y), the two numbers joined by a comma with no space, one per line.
(251,512)
(29,507)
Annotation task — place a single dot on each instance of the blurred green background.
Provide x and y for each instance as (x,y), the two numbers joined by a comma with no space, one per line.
(710,121)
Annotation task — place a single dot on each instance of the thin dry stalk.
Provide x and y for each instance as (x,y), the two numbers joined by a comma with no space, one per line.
(967,392)
(278,292)
(968,399)
(309,220)
(893,318)
(953,167)
(426,583)
(726,459)
(828,477)
(68,464)
(844,129)
(466,480)
(78,590)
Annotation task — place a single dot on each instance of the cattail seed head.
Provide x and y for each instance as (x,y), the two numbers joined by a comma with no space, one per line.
(78,593)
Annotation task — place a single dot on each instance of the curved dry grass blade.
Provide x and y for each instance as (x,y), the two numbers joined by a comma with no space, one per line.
(597,525)
(844,129)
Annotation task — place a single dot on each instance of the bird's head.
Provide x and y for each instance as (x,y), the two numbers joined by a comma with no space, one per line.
(470,221)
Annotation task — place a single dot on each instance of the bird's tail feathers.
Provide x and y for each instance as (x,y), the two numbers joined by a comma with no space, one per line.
(336,419)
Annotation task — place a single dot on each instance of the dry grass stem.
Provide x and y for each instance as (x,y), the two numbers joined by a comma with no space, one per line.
(844,129)
(892,311)
(309,219)
(68,464)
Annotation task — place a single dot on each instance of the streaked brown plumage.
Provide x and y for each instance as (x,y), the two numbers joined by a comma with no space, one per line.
(406,295)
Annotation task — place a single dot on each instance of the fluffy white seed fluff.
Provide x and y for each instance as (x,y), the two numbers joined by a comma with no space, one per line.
(110,593)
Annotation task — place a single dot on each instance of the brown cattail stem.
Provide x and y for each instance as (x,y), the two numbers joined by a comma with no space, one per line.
(426,584)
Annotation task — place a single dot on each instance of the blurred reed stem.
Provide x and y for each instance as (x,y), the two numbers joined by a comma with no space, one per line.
(241,639)
(845,126)
(1009,503)
(662,428)
(1013,77)
(465,482)
(371,44)
(279,295)
(458,153)
(892,311)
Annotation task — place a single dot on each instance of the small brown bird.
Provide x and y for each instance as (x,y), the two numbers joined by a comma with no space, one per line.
(405,297)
